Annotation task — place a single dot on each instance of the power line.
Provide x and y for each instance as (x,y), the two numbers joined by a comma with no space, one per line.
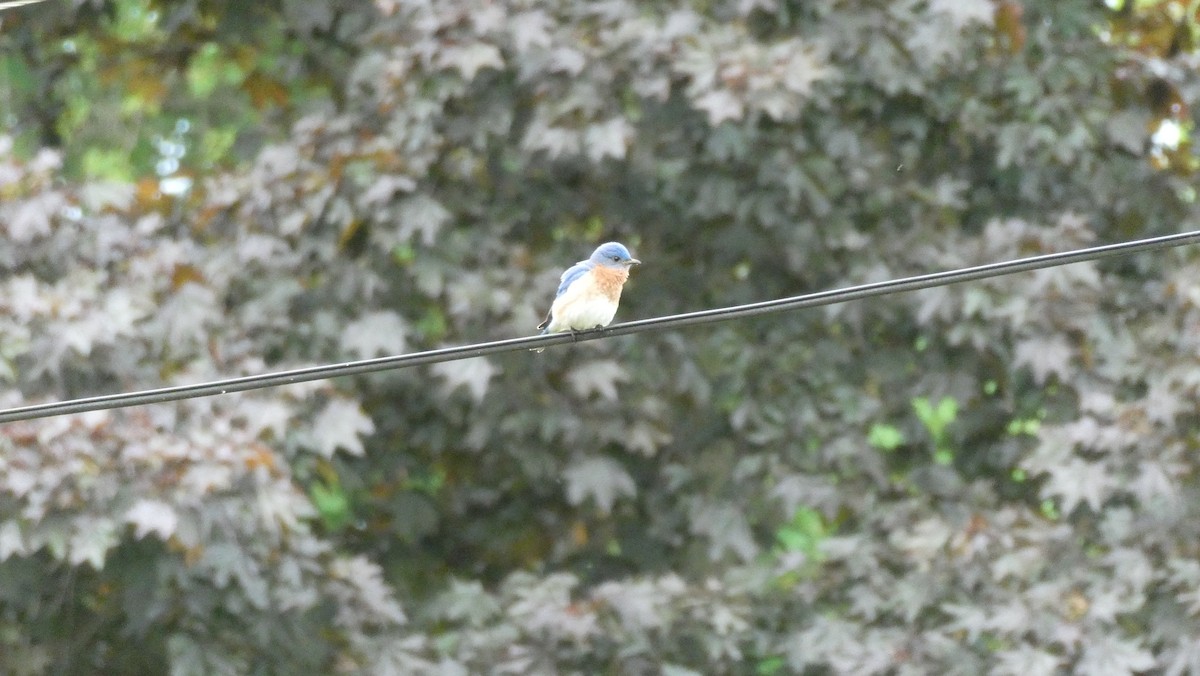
(820,298)
(13,4)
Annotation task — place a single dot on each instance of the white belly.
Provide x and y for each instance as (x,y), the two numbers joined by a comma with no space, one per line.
(579,310)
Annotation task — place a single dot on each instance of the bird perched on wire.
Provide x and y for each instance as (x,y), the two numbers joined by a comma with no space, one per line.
(589,291)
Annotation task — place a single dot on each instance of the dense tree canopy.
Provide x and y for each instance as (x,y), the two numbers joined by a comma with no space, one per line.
(994,477)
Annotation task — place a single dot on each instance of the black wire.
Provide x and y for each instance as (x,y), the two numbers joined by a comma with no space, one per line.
(926,281)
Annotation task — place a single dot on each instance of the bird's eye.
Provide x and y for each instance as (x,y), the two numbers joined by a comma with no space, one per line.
(616,259)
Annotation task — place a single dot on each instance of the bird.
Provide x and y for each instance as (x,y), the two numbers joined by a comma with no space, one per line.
(589,291)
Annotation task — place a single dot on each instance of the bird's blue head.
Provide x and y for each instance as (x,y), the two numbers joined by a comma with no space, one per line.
(613,255)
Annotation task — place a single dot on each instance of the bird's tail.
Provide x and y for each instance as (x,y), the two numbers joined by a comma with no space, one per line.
(545,330)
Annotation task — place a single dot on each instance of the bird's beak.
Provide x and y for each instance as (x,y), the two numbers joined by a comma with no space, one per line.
(632,261)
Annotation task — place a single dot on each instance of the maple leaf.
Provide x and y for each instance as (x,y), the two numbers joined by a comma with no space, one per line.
(375,334)
(152,516)
(598,377)
(1045,356)
(473,374)
(339,425)
(11,541)
(530,29)
(1076,481)
(1113,656)
(601,479)
(964,12)
(421,214)
(468,60)
(1026,660)
(720,105)
(607,139)
(367,578)
(726,528)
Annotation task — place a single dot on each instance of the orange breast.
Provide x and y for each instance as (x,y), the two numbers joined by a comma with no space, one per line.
(610,280)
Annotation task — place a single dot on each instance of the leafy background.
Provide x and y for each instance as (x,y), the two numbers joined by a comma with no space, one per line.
(993,477)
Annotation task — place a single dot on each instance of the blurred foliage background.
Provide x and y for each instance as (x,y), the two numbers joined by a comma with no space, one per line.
(997,477)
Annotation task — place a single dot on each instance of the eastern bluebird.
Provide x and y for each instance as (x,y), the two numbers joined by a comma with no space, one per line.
(589,291)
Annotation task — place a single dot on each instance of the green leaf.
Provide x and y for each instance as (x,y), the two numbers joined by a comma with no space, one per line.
(924,411)
(770,666)
(804,533)
(332,505)
(15,76)
(428,483)
(947,411)
(1050,510)
(107,164)
(136,20)
(885,437)
(1024,426)
(209,69)
(935,419)
(215,144)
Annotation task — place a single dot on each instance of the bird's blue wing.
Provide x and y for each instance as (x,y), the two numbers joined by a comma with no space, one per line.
(571,274)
